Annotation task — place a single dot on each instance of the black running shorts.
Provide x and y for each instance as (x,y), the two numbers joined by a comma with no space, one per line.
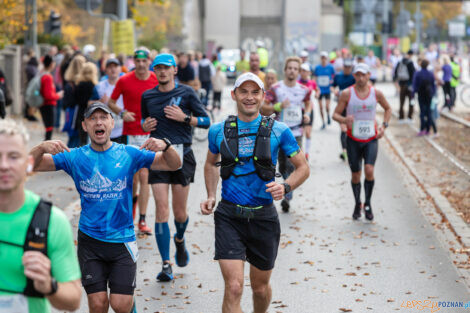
(325,96)
(184,176)
(103,263)
(358,151)
(255,240)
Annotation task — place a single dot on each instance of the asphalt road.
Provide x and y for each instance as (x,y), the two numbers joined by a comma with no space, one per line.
(327,262)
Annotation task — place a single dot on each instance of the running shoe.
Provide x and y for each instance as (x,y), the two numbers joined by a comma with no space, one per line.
(421,133)
(323,126)
(357,212)
(343,156)
(166,274)
(144,229)
(182,254)
(285,205)
(329,120)
(368,212)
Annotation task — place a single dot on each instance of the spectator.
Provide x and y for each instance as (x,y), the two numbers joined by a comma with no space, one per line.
(403,75)
(70,102)
(50,96)
(86,82)
(3,112)
(446,78)
(31,70)
(424,85)
(242,65)
(219,80)
(206,71)
(185,72)
(454,81)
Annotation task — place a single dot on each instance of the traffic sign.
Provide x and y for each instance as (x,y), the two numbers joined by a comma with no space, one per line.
(123,36)
(94,4)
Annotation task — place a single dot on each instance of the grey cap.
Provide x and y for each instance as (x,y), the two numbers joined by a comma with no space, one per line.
(112,61)
(96,106)
(348,62)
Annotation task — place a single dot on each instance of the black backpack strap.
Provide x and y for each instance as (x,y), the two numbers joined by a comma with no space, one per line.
(229,147)
(36,239)
(265,168)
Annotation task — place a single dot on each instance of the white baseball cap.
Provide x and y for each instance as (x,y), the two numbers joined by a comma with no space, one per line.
(305,67)
(324,54)
(361,67)
(303,54)
(248,77)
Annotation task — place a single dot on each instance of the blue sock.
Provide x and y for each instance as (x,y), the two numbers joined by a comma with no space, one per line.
(162,234)
(181,228)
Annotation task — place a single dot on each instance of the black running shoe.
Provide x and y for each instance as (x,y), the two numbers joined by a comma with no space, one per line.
(368,212)
(166,274)
(357,212)
(181,255)
(285,205)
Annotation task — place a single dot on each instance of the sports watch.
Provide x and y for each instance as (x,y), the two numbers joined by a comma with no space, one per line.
(187,119)
(385,124)
(54,287)
(287,188)
(168,144)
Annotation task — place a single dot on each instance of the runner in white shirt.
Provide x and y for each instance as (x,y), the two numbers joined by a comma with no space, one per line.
(291,102)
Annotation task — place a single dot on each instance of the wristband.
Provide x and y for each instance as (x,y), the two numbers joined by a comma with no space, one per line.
(168,144)
(278,107)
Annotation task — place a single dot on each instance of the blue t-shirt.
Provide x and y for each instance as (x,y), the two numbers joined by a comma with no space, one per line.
(250,189)
(343,81)
(104,181)
(324,76)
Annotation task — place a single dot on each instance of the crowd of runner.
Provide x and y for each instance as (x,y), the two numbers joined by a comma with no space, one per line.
(130,121)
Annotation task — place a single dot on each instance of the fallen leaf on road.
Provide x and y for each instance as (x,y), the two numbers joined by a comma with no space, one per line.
(345,310)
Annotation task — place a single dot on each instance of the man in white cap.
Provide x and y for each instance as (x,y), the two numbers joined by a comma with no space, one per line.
(246,222)
(324,73)
(360,101)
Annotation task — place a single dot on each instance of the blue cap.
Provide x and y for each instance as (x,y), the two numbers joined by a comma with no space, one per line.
(165,59)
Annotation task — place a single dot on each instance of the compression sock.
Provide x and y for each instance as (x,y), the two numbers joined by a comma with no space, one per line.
(343,140)
(142,218)
(368,187)
(181,228)
(308,143)
(357,192)
(162,234)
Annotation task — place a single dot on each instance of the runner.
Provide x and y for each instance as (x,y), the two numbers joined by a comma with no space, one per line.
(169,111)
(360,101)
(270,78)
(246,222)
(324,73)
(103,91)
(103,172)
(312,86)
(292,101)
(131,86)
(255,67)
(41,271)
(343,80)
(374,64)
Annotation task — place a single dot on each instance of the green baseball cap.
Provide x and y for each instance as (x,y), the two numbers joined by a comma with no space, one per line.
(141,54)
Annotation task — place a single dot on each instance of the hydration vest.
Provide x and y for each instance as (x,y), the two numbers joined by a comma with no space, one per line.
(36,240)
(262,160)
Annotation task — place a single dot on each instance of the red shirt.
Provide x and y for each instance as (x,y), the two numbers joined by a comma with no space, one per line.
(48,90)
(131,88)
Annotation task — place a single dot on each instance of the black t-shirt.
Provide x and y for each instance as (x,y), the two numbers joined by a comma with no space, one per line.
(185,74)
(154,101)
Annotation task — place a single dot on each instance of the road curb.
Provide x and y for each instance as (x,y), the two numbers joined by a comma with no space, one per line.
(448,212)
(455,118)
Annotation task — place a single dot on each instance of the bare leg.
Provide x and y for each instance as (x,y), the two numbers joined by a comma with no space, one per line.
(262,292)
(232,271)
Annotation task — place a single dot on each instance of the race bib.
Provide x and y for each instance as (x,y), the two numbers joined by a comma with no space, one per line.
(14,304)
(292,115)
(180,150)
(133,250)
(363,129)
(323,81)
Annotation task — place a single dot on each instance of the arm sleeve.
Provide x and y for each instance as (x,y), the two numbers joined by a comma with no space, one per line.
(288,143)
(94,94)
(61,248)
(62,162)
(117,90)
(198,111)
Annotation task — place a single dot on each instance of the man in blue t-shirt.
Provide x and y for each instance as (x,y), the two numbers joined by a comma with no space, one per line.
(343,80)
(103,172)
(175,108)
(324,73)
(246,221)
